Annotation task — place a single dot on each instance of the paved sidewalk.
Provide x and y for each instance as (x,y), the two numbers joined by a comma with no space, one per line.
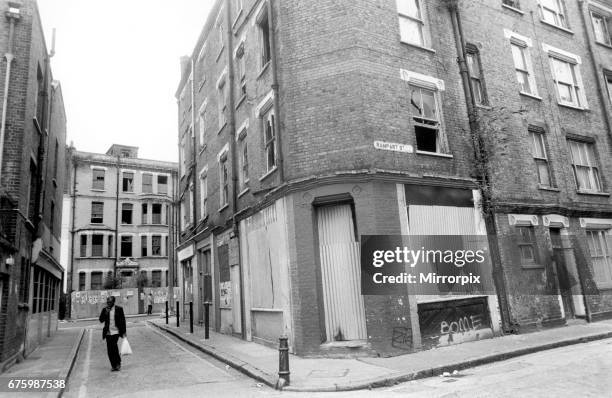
(327,374)
(51,360)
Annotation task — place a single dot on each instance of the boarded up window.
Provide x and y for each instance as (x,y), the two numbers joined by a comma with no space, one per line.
(147,183)
(224,267)
(96,280)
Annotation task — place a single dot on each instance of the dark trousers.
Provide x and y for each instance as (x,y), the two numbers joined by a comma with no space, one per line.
(150,310)
(113,350)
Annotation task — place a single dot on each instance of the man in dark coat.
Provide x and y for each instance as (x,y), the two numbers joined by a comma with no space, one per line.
(114,327)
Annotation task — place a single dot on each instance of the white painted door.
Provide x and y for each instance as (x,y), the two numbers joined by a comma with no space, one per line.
(339,253)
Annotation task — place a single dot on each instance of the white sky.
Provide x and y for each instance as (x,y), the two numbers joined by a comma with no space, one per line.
(118,63)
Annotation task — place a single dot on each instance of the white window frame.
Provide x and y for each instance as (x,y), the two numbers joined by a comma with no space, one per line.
(222,98)
(269,118)
(222,160)
(559,14)
(591,165)
(243,164)
(418,20)
(264,59)
(525,44)
(576,86)
(607,39)
(608,81)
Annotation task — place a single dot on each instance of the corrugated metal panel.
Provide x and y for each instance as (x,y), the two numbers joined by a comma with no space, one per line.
(339,252)
(441,220)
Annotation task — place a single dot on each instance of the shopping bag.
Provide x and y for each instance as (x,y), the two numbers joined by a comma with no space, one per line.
(125,347)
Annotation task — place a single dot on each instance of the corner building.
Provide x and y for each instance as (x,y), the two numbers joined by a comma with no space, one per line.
(302,127)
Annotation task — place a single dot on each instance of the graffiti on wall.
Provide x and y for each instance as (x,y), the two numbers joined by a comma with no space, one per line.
(454,321)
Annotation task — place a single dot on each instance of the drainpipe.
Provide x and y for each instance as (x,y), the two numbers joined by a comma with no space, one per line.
(72,231)
(606,116)
(275,90)
(117,220)
(498,273)
(234,154)
(12,15)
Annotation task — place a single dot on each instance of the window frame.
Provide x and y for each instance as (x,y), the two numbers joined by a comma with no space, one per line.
(532,243)
(524,45)
(605,243)
(159,248)
(95,181)
(93,220)
(130,187)
(426,122)
(592,169)
(419,22)
(149,186)
(202,122)
(606,26)
(270,144)
(573,61)
(124,208)
(559,14)
(203,180)
(223,181)
(474,53)
(121,245)
(539,135)
(265,44)
(100,247)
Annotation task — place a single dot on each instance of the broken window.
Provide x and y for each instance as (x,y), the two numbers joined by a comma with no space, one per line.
(126,213)
(425,117)
(97,179)
(128,181)
(156,245)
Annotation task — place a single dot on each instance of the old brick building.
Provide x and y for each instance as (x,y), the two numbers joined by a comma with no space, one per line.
(120,220)
(32,142)
(304,126)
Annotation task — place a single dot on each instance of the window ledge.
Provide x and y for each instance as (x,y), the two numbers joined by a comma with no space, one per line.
(594,193)
(220,52)
(221,128)
(130,193)
(430,50)
(604,44)
(202,150)
(244,191)
(98,190)
(225,206)
(269,173)
(201,85)
(578,108)
(263,70)
(436,154)
(546,188)
(240,101)
(506,6)
(561,28)
(236,19)
(534,96)
(532,266)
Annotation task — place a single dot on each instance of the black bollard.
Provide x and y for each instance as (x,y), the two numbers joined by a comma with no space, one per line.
(191,317)
(177,315)
(206,320)
(283,360)
(166,312)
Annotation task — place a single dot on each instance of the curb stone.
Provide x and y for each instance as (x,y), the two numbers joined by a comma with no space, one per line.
(384,381)
(69,364)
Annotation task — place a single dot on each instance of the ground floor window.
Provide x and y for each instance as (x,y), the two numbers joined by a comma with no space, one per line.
(600,248)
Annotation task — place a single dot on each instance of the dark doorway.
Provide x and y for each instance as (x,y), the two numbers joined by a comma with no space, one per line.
(563,276)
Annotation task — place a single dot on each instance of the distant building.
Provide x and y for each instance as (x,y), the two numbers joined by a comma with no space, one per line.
(32,142)
(120,219)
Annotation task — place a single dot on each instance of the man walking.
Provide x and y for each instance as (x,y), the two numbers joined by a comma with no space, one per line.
(149,304)
(114,327)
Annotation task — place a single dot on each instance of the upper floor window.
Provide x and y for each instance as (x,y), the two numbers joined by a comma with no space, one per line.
(269,124)
(223,180)
(553,12)
(156,213)
(523,67)
(584,164)
(144,247)
(426,119)
(264,34)
(145,214)
(128,181)
(601,28)
(222,101)
(162,184)
(512,4)
(126,246)
(97,212)
(83,246)
(476,75)
(55,158)
(126,213)
(237,8)
(147,183)
(411,21)
(97,179)
(568,82)
(202,123)
(538,150)
(156,245)
(241,69)
(203,194)
(243,159)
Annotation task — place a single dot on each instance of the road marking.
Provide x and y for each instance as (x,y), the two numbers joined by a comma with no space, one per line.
(83,388)
(186,350)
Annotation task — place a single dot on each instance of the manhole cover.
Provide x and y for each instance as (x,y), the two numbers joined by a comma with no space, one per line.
(328,373)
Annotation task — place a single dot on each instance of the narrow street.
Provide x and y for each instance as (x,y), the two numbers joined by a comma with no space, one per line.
(162,367)
(159,367)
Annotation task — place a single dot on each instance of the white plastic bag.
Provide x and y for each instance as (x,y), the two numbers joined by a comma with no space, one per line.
(125,347)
